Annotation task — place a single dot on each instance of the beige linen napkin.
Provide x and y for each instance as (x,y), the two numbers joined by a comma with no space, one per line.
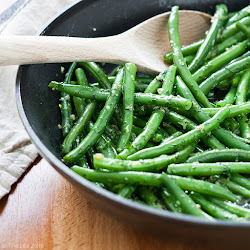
(16,150)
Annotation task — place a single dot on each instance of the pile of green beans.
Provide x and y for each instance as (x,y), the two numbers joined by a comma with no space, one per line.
(179,141)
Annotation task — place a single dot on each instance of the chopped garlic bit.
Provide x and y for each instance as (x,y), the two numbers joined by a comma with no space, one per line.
(127,129)
(107,107)
(73,117)
(99,156)
(62,69)
(59,126)
(160,91)
(94,29)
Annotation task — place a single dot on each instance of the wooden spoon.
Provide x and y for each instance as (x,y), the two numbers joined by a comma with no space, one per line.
(144,44)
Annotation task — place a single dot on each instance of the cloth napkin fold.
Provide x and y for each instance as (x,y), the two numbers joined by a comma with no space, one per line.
(16,150)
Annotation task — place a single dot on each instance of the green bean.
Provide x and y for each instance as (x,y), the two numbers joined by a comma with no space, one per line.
(187,124)
(232,29)
(95,71)
(179,59)
(155,84)
(229,155)
(153,179)
(238,15)
(78,128)
(66,109)
(80,103)
(234,109)
(141,87)
(217,22)
(138,79)
(146,195)
(240,99)
(126,191)
(189,59)
(219,61)
(231,207)
(227,43)
(187,204)
(207,169)
(229,98)
(101,122)
(223,73)
(186,51)
(114,71)
(155,164)
(212,209)
(241,180)
(140,98)
(156,137)
(234,187)
(81,77)
(128,105)
(182,140)
(168,82)
(244,29)
(170,202)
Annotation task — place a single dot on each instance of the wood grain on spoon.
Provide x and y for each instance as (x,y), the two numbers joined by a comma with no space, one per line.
(144,44)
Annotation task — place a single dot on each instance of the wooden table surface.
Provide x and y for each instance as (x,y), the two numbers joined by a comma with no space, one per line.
(44,210)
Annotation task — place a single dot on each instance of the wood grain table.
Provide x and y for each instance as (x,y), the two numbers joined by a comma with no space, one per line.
(45,211)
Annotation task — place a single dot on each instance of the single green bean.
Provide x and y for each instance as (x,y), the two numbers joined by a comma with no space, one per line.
(186,51)
(78,128)
(126,191)
(229,98)
(170,202)
(146,195)
(241,180)
(128,105)
(222,155)
(217,22)
(234,109)
(207,169)
(241,96)
(244,29)
(95,71)
(140,98)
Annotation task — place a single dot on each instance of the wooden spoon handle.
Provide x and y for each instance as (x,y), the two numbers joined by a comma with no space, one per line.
(15,50)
